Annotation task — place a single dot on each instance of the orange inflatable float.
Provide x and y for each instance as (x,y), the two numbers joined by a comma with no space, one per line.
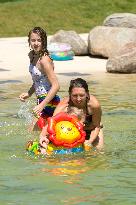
(66,135)
(65,130)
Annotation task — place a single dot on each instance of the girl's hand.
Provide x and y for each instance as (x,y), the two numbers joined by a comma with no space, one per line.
(38,109)
(23,96)
(44,141)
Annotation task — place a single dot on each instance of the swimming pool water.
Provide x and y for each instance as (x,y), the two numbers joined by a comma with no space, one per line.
(105,178)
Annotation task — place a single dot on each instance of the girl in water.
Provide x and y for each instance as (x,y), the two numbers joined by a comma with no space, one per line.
(45,83)
(80,98)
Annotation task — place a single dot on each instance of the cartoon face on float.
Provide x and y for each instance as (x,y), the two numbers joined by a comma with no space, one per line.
(65,130)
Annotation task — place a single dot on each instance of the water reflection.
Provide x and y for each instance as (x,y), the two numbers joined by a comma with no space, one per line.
(67,168)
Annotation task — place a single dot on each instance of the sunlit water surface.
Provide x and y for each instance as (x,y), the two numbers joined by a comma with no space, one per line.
(106,178)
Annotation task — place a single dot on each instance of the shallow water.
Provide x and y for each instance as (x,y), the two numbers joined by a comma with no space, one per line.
(106,178)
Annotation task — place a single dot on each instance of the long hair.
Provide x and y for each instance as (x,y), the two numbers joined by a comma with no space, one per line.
(78,83)
(43,36)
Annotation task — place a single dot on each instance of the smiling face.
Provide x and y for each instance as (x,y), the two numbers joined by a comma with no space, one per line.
(78,97)
(67,131)
(35,42)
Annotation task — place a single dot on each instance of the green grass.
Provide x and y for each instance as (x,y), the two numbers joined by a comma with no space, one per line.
(17,17)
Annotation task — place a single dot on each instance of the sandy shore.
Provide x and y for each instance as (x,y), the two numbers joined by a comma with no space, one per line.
(14,61)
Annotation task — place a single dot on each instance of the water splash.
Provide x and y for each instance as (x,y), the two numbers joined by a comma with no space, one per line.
(25,111)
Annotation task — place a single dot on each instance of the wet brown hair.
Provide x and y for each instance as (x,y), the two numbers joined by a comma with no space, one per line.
(43,36)
(78,83)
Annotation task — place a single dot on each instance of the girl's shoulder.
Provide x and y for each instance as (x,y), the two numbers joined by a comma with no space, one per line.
(93,102)
(46,60)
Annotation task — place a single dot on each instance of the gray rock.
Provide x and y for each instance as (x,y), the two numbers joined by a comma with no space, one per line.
(123,63)
(121,20)
(73,39)
(106,41)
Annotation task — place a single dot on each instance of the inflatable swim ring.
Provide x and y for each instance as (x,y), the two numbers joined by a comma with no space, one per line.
(60,51)
(58,47)
(66,136)
(62,55)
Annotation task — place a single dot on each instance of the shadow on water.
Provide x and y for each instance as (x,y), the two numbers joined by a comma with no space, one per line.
(73,74)
(10,81)
(1,69)
(121,112)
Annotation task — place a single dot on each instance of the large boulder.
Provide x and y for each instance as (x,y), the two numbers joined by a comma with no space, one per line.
(73,39)
(121,20)
(124,61)
(106,41)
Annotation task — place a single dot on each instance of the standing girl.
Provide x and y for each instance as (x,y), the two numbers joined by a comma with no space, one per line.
(45,83)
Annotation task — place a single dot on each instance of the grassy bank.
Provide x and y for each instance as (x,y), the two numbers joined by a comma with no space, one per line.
(17,17)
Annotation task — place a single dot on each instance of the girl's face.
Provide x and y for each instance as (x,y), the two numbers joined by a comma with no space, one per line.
(78,97)
(35,42)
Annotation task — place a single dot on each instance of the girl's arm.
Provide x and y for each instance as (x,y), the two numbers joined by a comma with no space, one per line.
(96,120)
(24,96)
(31,90)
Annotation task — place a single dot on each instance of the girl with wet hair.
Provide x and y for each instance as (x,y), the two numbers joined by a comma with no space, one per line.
(39,31)
(45,83)
(78,82)
(80,98)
